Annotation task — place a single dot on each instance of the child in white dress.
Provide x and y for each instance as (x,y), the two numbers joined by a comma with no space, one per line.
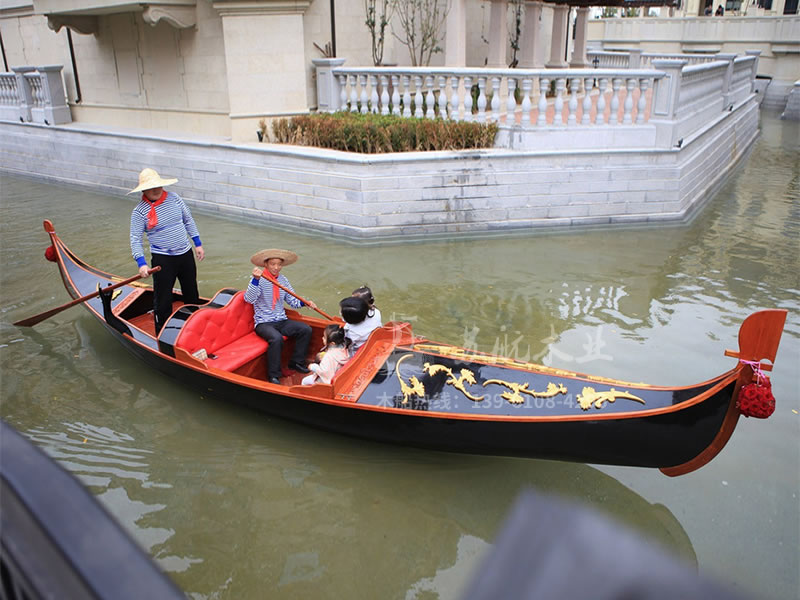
(335,355)
(373,314)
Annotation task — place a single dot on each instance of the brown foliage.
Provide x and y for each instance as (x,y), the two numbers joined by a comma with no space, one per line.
(373,134)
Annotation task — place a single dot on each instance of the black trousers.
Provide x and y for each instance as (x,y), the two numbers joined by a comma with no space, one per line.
(274,332)
(181,267)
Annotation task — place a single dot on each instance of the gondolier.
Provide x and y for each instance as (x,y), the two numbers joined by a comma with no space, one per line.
(169,225)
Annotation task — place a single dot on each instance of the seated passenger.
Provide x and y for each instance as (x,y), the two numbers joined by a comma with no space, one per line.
(373,314)
(358,326)
(335,354)
(270,318)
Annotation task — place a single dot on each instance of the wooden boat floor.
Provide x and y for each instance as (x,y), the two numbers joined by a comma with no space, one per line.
(146,323)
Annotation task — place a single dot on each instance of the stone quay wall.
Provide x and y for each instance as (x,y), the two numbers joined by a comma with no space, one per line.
(375,198)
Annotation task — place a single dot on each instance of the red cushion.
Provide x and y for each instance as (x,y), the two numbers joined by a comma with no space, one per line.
(215,328)
(226,333)
(238,352)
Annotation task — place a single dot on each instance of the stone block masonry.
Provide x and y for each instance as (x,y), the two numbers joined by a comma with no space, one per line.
(372,198)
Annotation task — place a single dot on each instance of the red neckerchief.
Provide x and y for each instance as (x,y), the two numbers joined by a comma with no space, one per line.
(276,292)
(152,217)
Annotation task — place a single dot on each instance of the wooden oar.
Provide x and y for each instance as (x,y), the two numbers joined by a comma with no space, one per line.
(31,321)
(303,300)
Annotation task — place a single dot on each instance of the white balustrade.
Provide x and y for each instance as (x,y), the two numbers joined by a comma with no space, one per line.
(588,84)
(527,84)
(442,97)
(373,99)
(511,102)
(559,99)
(481,99)
(496,99)
(34,94)
(418,97)
(363,82)
(429,100)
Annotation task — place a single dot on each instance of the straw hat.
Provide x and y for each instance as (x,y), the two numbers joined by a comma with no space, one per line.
(149,179)
(287,256)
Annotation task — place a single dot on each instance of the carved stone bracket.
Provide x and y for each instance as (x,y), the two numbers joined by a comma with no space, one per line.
(85,24)
(180,17)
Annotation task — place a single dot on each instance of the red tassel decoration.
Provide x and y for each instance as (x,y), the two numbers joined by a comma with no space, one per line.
(756,399)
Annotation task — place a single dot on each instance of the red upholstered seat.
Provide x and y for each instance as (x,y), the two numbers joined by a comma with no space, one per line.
(226,334)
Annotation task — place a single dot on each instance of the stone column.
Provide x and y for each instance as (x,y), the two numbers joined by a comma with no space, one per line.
(265,61)
(498,34)
(56,110)
(455,44)
(24,93)
(579,49)
(665,101)
(635,58)
(558,39)
(726,82)
(529,56)
(328,87)
(755,53)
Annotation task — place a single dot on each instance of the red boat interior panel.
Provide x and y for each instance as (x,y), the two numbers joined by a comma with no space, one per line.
(225,333)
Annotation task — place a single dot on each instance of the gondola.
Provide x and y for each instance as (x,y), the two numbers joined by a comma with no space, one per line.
(404,389)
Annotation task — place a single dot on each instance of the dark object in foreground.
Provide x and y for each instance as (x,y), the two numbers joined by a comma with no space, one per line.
(552,548)
(57,541)
(403,389)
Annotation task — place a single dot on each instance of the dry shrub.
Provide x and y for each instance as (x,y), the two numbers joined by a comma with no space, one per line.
(373,134)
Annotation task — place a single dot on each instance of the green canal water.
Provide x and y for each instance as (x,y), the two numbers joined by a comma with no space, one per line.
(233,504)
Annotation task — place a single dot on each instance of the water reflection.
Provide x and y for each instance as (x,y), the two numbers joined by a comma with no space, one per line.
(110,464)
(306,514)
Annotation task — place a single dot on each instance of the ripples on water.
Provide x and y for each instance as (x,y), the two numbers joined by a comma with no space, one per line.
(236,505)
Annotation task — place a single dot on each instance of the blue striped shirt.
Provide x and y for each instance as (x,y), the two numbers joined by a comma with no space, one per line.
(170,236)
(259,294)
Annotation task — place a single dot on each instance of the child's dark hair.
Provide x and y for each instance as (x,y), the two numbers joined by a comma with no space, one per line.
(365,293)
(353,309)
(335,335)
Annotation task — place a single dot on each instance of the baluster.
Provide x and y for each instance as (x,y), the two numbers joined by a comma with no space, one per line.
(588,82)
(395,95)
(574,84)
(373,101)
(511,102)
(454,112)
(418,97)
(558,115)
(544,85)
(628,107)
(481,99)
(406,96)
(343,92)
(496,99)
(527,83)
(616,83)
(468,98)
(430,112)
(384,95)
(600,115)
(642,99)
(442,96)
(354,93)
(363,82)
